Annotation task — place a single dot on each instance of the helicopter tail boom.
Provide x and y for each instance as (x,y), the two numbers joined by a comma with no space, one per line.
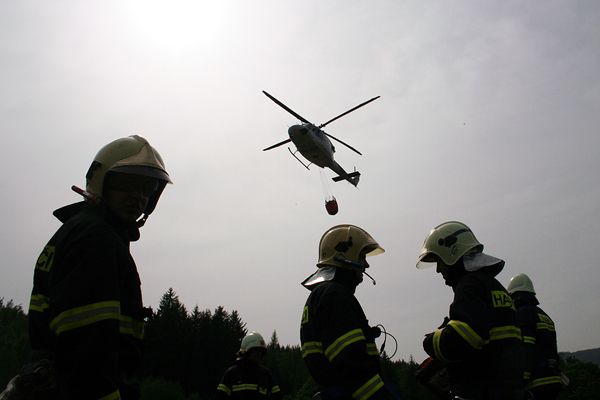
(352,177)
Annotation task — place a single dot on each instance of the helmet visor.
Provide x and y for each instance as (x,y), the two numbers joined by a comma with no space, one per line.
(131,183)
(427,258)
(144,171)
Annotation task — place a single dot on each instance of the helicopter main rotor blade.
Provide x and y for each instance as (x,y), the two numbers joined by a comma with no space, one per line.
(345,144)
(278,144)
(348,112)
(286,108)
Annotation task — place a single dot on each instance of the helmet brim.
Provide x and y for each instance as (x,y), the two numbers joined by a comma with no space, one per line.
(472,262)
(375,251)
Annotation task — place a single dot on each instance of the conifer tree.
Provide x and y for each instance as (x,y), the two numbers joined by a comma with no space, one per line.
(168,339)
(274,343)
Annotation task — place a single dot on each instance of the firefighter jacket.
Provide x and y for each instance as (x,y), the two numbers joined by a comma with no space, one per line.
(247,380)
(480,342)
(539,341)
(337,345)
(86,304)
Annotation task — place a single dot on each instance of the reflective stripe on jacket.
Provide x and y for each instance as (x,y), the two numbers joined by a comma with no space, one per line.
(247,380)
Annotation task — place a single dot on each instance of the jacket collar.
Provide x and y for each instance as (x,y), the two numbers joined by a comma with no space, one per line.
(129,232)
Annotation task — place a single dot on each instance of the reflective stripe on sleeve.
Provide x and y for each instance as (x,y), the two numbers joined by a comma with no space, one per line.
(545,323)
(130,326)
(368,389)
(224,389)
(342,342)
(468,334)
(505,332)
(85,315)
(437,336)
(545,326)
(38,302)
(372,349)
(529,339)
(244,386)
(275,389)
(312,348)
(544,381)
(112,396)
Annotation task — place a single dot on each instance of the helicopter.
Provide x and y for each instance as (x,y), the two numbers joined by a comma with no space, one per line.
(314,145)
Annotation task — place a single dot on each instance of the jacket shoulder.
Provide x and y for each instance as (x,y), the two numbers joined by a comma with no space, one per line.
(331,288)
(480,279)
(87,223)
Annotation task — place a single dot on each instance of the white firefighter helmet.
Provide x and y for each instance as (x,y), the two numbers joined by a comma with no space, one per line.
(342,246)
(451,241)
(520,283)
(345,245)
(128,155)
(251,341)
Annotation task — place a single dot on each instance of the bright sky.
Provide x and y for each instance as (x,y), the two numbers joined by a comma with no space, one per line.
(489,114)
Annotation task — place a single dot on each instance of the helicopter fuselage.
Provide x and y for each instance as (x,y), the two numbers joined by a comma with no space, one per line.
(316,147)
(312,144)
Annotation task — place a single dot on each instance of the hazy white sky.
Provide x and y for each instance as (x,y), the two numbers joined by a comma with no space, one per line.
(489,114)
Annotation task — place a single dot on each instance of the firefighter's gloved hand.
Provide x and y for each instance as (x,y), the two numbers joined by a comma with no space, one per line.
(428,344)
(374,332)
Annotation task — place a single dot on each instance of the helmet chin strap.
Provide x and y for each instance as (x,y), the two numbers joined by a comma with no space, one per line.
(140,222)
(370,277)
(356,265)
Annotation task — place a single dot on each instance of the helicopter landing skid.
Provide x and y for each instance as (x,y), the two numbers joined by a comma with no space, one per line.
(299,160)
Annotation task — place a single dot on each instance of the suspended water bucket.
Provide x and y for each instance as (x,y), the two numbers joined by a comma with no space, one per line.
(331,206)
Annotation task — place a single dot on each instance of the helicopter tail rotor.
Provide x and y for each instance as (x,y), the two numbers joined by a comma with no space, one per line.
(352,177)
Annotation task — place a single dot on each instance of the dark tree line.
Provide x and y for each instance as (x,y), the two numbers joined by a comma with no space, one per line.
(191,349)
(188,351)
(14,340)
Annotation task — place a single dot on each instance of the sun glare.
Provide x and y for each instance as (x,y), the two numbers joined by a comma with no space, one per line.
(176,24)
